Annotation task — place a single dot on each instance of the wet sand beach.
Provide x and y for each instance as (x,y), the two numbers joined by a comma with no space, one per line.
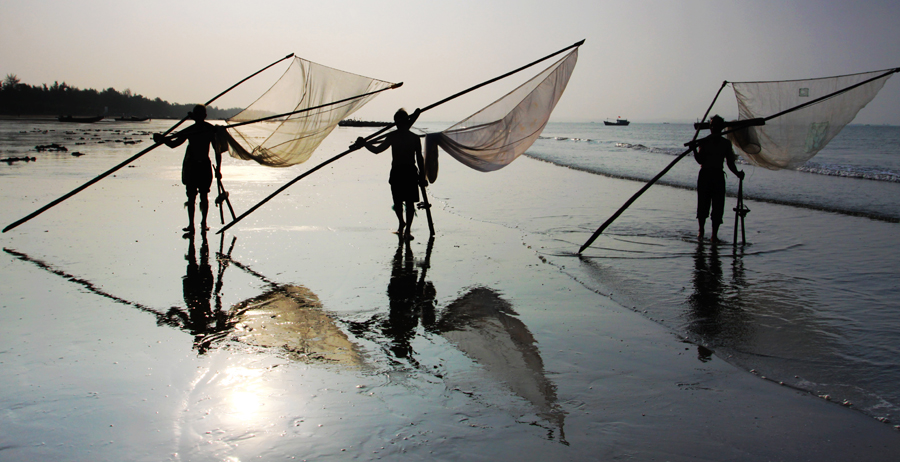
(309,332)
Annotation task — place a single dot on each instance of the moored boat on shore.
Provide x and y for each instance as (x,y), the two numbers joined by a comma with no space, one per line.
(362,123)
(86,120)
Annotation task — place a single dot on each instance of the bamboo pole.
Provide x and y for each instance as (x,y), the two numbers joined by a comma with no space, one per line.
(130,159)
(379,132)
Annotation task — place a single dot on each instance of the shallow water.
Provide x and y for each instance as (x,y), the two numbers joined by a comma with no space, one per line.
(309,333)
(809,302)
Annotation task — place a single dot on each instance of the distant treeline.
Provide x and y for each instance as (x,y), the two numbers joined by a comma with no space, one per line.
(19,99)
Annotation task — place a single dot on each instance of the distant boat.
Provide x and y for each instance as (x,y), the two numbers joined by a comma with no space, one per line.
(84,120)
(617,122)
(131,119)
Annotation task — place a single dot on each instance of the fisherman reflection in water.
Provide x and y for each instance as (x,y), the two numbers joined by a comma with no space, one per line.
(711,153)
(402,318)
(405,179)
(706,300)
(410,299)
(196,169)
(198,281)
(718,314)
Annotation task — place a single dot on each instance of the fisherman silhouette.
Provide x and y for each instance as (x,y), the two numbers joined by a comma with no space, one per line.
(710,153)
(196,169)
(405,178)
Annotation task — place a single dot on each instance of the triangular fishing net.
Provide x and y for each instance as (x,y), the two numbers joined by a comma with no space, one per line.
(495,136)
(791,139)
(291,140)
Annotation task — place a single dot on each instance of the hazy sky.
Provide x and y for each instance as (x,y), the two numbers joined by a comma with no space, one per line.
(645,60)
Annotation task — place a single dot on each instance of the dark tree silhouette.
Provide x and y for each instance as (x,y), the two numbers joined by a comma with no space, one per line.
(19,99)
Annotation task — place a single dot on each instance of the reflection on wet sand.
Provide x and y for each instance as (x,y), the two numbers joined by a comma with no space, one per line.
(411,297)
(285,317)
(288,318)
(199,319)
(717,317)
(484,326)
(291,318)
(161,317)
(480,324)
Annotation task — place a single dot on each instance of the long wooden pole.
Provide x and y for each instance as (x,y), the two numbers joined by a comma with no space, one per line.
(651,182)
(379,132)
(130,159)
(487,82)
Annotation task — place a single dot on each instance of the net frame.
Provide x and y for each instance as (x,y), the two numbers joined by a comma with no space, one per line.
(496,135)
(793,136)
(292,139)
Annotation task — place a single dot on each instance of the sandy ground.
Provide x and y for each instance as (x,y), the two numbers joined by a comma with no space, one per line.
(319,337)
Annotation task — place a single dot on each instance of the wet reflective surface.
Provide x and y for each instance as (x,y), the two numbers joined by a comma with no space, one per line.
(312,333)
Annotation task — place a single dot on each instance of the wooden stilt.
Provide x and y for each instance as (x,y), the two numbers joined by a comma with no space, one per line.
(223,198)
(425,205)
(740,211)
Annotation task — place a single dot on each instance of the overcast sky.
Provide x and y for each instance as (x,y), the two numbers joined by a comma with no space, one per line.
(648,61)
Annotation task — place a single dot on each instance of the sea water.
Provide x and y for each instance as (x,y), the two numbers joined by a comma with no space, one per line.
(858,173)
(809,302)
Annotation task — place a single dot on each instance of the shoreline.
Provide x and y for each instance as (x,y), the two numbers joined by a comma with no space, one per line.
(729,194)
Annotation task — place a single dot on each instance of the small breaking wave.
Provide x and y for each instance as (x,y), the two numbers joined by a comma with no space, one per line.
(641,147)
(843,171)
(674,184)
(849,171)
(565,138)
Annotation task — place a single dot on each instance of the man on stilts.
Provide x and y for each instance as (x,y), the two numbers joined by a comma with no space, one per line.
(196,169)
(711,153)
(405,178)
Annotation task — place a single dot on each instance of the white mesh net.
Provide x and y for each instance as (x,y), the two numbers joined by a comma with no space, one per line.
(291,140)
(791,139)
(495,136)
